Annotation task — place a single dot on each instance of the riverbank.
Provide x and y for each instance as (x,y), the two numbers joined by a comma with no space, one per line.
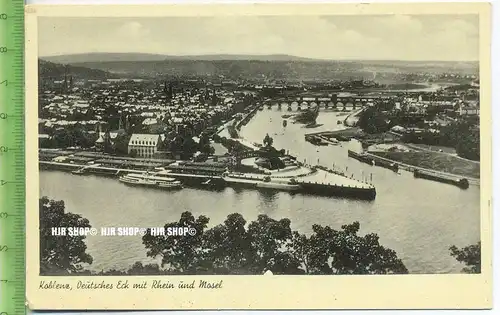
(308,179)
(410,228)
(434,162)
(352,119)
(415,157)
(357,134)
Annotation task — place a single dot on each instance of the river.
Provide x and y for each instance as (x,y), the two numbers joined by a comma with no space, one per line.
(417,218)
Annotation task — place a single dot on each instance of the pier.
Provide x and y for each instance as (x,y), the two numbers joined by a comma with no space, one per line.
(418,172)
(310,180)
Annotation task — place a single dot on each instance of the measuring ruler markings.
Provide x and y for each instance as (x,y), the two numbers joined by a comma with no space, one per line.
(12,163)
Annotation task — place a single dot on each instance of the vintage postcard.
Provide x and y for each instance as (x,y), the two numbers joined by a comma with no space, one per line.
(259,156)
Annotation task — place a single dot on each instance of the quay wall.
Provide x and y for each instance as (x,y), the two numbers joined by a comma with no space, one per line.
(366,157)
(89,169)
(47,165)
(339,190)
(411,168)
(247,117)
(327,190)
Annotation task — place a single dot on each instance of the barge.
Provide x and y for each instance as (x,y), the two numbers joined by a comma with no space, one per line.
(316,140)
(373,160)
(462,182)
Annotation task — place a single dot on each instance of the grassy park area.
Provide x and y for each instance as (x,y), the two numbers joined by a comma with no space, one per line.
(435,161)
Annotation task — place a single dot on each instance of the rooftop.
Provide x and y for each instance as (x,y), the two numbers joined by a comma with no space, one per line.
(144,139)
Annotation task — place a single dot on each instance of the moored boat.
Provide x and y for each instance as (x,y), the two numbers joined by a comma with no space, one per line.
(151,181)
(462,183)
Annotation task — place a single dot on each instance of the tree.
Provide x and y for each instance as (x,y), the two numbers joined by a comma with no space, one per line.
(468,145)
(216,138)
(228,246)
(189,147)
(470,256)
(464,137)
(204,145)
(120,145)
(344,252)
(204,139)
(73,136)
(61,253)
(269,244)
(181,253)
(207,149)
(271,240)
(231,129)
(373,121)
(112,116)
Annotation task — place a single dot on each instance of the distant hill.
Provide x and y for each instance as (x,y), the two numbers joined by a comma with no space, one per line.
(222,57)
(256,69)
(56,71)
(133,57)
(103,57)
(279,66)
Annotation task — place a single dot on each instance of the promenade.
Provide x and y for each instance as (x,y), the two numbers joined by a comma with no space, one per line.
(311,175)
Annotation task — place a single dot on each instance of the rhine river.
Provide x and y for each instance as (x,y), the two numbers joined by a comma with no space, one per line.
(417,218)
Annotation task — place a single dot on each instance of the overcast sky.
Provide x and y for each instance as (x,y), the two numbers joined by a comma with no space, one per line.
(391,37)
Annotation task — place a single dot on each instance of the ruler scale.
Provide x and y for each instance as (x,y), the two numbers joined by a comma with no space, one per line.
(12,162)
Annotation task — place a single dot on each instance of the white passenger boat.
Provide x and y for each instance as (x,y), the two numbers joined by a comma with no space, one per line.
(151,180)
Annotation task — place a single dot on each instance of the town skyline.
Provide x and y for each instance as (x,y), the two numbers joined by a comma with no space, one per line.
(381,38)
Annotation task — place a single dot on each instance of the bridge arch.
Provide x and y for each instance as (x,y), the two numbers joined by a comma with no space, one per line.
(345,103)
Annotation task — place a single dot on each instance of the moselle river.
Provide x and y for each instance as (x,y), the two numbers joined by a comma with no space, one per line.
(419,219)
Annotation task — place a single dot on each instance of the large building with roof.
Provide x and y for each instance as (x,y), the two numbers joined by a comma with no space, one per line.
(144,145)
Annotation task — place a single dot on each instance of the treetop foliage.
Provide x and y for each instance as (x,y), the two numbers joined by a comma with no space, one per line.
(234,246)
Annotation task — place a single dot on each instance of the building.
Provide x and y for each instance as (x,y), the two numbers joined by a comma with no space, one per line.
(144,145)
(468,111)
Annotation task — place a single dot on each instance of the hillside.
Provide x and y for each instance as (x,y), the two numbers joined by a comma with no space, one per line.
(103,57)
(279,66)
(289,70)
(134,57)
(56,71)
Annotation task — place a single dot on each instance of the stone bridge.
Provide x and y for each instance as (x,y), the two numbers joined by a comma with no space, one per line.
(332,101)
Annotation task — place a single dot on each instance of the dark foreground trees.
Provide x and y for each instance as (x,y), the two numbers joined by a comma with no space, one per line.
(60,254)
(470,256)
(234,247)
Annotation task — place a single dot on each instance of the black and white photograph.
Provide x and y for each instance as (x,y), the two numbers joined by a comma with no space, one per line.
(278,153)
(259,145)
